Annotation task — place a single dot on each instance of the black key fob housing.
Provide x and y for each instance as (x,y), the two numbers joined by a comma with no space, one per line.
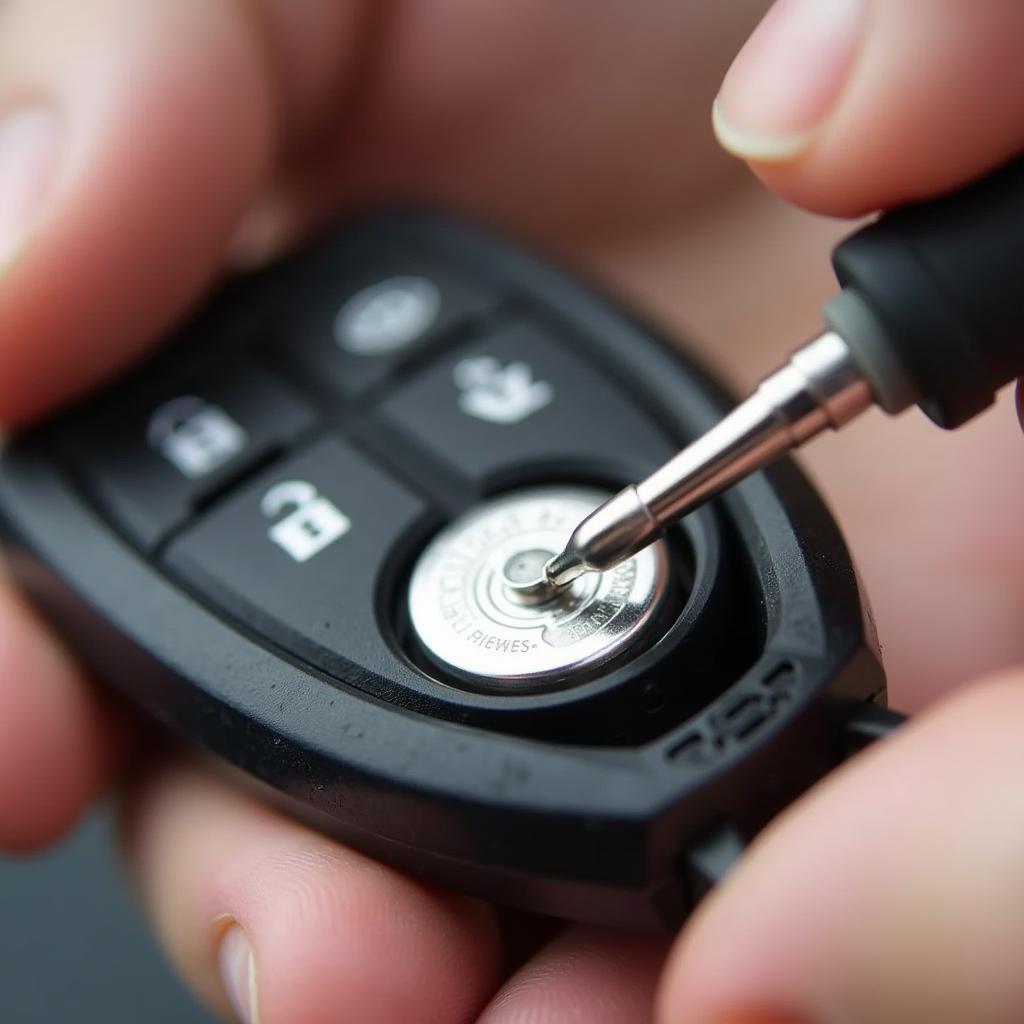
(288,536)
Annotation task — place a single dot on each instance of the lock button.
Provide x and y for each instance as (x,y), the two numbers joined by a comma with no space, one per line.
(195,436)
(160,453)
(296,554)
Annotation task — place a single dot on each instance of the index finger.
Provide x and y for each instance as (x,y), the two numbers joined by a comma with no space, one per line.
(132,135)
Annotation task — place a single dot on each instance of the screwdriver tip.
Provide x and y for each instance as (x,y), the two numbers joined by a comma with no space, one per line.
(564,568)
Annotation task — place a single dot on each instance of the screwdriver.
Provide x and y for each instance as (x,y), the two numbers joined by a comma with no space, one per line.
(930,313)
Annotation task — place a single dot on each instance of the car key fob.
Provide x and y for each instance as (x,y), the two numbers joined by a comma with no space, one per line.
(297,535)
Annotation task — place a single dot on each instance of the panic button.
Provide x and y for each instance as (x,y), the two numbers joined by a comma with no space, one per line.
(361,316)
(518,407)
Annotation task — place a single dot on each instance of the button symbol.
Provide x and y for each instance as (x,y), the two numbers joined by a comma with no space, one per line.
(500,394)
(313,523)
(195,436)
(387,316)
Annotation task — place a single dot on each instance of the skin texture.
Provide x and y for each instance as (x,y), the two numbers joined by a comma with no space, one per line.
(892,892)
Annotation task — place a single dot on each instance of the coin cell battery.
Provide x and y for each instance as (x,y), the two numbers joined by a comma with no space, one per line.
(480,612)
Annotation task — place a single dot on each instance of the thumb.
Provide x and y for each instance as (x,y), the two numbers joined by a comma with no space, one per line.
(848,106)
(890,894)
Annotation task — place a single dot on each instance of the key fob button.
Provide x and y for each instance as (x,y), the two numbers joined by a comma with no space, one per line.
(157,455)
(297,552)
(518,404)
(355,320)
(388,316)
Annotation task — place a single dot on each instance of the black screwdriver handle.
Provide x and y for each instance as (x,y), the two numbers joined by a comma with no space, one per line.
(932,305)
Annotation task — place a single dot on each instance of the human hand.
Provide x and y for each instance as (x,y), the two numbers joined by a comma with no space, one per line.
(139,140)
(292,109)
(888,894)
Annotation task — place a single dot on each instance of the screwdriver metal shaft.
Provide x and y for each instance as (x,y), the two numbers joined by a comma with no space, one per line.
(929,314)
(821,387)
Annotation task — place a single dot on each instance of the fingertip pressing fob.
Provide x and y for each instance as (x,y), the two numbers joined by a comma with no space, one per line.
(296,535)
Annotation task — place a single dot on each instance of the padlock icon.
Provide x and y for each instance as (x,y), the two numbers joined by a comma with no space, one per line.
(195,436)
(312,523)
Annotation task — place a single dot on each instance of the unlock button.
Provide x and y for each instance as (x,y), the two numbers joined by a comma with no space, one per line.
(313,523)
(300,550)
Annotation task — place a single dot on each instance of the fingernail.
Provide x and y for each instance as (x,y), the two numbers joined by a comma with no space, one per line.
(238,974)
(30,140)
(787,78)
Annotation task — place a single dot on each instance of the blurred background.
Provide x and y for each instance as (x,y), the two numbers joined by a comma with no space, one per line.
(73,947)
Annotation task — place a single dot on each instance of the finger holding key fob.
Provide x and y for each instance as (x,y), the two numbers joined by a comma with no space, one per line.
(305,536)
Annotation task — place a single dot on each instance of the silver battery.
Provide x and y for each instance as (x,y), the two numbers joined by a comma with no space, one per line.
(480,613)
